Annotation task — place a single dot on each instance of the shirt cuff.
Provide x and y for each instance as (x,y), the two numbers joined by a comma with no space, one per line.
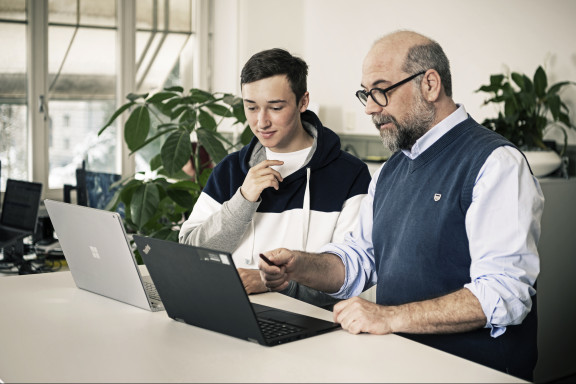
(488,300)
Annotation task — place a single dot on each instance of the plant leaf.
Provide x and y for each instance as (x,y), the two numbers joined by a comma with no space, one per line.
(156,162)
(556,87)
(210,142)
(175,89)
(219,110)
(137,127)
(206,120)
(540,82)
(156,136)
(182,197)
(239,113)
(204,176)
(118,112)
(553,104)
(159,97)
(135,96)
(200,96)
(176,151)
(144,204)
(247,135)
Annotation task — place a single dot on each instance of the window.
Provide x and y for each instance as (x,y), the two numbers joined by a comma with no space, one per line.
(81,87)
(164,44)
(14,135)
(77,39)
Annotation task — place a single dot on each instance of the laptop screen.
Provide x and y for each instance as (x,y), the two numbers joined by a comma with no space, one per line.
(21,203)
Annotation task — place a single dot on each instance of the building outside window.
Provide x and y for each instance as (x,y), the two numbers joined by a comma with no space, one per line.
(81,77)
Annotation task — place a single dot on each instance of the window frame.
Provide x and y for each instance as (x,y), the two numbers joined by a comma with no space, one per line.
(37,68)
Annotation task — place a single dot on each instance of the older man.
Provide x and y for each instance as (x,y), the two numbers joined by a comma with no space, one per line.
(448,230)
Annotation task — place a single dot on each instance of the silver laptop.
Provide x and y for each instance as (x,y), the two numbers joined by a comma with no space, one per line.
(99,254)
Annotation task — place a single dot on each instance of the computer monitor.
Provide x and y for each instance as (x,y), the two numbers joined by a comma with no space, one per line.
(93,189)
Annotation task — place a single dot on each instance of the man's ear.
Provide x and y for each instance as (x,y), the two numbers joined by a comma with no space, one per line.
(431,86)
(303,103)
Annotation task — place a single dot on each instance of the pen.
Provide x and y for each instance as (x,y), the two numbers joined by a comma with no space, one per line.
(267,260)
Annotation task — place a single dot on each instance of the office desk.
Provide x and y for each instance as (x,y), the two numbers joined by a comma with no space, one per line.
(50,331)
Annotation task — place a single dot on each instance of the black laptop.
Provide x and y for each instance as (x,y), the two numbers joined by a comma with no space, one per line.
(201,287)
(19,210)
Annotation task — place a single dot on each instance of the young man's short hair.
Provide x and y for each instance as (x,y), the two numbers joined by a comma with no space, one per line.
(274,62)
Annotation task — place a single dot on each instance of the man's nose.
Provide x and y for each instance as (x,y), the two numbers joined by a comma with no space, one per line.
(372,107)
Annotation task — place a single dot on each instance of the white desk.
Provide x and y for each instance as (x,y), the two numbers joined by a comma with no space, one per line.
(50,331)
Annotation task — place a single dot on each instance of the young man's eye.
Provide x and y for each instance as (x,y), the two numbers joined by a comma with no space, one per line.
(277,108)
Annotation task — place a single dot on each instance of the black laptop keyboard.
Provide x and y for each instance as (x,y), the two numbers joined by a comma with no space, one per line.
(151,290)
(272,329)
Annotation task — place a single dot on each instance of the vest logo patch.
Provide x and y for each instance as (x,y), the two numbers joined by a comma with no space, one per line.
(437,196)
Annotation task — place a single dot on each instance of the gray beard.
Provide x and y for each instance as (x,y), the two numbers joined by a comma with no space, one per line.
(404,134)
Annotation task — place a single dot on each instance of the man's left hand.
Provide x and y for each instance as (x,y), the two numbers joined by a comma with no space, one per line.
(357,315)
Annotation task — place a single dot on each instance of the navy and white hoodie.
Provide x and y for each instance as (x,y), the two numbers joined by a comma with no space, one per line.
(316,205)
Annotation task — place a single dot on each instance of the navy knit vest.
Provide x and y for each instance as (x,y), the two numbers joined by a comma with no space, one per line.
(421,246)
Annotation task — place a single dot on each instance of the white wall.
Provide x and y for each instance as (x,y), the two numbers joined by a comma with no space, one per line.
(480,38)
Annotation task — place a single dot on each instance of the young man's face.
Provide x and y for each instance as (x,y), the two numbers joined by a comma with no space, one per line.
(274,114)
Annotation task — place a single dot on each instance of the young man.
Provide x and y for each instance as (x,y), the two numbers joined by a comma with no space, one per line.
(449,229)
(291,186)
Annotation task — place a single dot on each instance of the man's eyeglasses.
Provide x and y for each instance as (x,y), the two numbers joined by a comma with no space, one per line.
(379,94)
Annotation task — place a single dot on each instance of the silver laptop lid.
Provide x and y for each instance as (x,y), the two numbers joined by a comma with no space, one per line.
(98,252)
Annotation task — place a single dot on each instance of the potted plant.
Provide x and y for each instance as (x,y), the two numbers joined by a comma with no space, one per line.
(166,121)
(529,107)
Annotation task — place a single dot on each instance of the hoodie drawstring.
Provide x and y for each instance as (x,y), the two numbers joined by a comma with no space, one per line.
(306,212)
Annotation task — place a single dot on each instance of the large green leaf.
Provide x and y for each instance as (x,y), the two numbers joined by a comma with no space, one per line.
(176,151)
(155,137)
(246,136)
(219,110)
(135,96)
(200,96)
(159,97)
(239,113)
(182,197)
(144,203)
(556,87)
(540,82)
(206,120)
(176,88)
(553,104)
(118,112)
(156,162)
(209,140)
(137,127)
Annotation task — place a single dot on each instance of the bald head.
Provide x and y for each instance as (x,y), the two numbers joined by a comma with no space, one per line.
(402,39)
(411,53)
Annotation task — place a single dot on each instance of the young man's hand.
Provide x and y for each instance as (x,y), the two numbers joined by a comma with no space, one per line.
(260,177)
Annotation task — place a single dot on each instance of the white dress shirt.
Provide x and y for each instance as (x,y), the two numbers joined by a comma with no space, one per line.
(503,228)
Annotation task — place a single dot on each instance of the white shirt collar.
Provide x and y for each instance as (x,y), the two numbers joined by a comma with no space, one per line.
(436,132)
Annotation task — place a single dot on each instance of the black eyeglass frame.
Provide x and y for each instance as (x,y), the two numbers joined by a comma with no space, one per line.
(367,94)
